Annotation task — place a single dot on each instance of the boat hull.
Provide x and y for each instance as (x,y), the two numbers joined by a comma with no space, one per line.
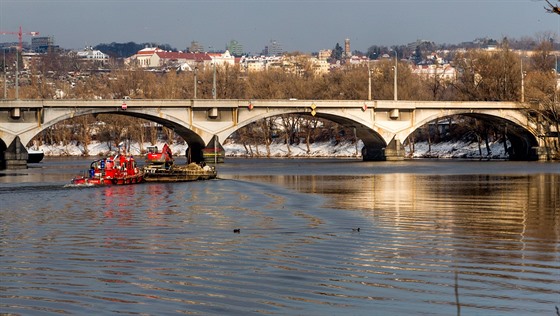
(35,156)
(85,181)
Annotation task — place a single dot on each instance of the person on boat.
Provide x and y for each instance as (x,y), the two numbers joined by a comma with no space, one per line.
(167,150)
(109,170)
(95,169)
(167,156)
(130,165)
(122,162)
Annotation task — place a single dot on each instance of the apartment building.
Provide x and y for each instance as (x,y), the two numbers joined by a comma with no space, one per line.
(93,55)
(153,57)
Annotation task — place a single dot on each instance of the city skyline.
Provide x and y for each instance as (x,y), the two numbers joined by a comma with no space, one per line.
(307,25)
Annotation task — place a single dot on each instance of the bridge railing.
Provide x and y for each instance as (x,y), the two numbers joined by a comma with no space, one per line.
(273,103)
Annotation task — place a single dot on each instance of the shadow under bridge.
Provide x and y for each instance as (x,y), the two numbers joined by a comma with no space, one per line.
(374,144)
(194,141)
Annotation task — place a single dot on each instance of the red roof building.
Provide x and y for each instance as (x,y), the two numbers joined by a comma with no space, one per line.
(153,57)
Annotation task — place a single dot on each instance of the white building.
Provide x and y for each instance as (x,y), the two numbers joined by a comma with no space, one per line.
(445,72)
(145,58)
(222,59)
(153,57)
(320,66)
(258,63)
(93,55)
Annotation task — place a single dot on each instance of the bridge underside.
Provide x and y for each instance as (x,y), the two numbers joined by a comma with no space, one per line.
(522,142)
(374,145)
(194,141)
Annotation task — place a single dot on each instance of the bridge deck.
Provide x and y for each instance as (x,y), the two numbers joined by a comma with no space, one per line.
(240,103)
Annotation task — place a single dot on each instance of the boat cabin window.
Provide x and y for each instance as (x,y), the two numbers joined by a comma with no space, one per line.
(152,149)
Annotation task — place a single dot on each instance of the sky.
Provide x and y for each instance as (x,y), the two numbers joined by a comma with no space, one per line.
(298,25)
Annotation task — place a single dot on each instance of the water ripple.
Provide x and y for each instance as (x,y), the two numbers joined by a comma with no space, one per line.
(171,249)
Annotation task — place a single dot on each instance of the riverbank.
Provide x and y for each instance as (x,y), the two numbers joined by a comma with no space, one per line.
(458,149)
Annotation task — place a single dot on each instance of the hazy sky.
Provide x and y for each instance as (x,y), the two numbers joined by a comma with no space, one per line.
(303,25)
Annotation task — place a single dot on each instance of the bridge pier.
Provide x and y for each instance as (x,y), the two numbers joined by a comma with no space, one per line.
(394,150)
(15,156)
(214,151)
(373,154)
(541,153)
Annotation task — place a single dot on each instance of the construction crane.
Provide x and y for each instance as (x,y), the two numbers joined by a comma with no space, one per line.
(20,47)
(20,35)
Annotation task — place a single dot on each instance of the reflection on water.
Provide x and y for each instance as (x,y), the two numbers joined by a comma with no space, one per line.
(503,231)
(170,248)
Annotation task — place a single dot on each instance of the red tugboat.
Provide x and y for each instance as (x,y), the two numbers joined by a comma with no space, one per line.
(108,171)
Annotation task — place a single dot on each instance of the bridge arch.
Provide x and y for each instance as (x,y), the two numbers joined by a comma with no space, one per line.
(523,138)
(372,140)
(194,140)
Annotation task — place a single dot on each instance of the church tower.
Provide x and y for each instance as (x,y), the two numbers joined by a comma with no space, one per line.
(347,51)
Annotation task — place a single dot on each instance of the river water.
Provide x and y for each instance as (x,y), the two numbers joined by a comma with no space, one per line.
(435,238)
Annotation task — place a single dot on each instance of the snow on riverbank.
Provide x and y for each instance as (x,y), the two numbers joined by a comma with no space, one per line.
(101,149)
(324,149)
(459,149)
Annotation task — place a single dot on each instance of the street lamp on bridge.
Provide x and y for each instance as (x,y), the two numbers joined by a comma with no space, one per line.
(395,79)
(522,82)
(369,70)
(5,78)
(555,78)
(214,81)
(195,71)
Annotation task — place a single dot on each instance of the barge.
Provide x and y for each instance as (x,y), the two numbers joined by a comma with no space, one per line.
(160,167)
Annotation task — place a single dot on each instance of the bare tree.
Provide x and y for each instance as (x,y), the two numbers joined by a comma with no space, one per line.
(291,125)
(152,131)
(116,130)
(488,76)
(245,135)
(542,92)
(309,124)
(84,124)
(266,126)
(552,8)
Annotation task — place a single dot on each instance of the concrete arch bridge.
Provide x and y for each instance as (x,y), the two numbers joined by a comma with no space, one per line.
(382,125)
